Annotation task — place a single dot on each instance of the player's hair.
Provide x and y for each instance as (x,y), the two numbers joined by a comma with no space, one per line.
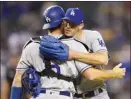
(53,29)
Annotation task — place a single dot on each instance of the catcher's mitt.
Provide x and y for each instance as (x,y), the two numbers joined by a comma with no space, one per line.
(31,82)
(53,49)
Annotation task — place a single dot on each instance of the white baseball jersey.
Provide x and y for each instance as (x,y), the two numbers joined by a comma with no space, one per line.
(31,57)
(95,42)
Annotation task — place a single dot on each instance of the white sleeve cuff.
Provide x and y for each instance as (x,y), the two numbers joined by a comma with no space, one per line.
(83,69)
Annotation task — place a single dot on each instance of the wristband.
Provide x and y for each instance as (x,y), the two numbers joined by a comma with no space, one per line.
(16,92)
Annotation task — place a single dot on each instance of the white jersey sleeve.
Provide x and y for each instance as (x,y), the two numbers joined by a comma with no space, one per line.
(98,43)
(31,57)
(94,40)
(77,46)
(80,65)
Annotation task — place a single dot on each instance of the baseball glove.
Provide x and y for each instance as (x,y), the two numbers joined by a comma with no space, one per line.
(31,82)
(53,49)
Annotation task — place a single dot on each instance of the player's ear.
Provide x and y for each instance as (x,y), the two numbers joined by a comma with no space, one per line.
(81,26)
(62,25)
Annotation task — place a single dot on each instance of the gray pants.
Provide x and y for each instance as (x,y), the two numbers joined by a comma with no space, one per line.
(52,95)
(49,96)
(103,95)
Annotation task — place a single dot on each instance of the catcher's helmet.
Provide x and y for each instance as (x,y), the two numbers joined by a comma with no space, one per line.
(74,15)
(53,16)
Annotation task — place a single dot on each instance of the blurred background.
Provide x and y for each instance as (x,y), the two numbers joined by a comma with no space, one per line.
(22,20)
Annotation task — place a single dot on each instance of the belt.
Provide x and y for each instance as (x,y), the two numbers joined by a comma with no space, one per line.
(65,93)
(89,93)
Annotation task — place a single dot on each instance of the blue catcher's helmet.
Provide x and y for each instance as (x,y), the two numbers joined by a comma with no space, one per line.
(74,15)
(53,16)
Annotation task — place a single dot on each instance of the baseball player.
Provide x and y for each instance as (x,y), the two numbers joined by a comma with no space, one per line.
(56,81)
(73,25)
(93,39)
(56,77)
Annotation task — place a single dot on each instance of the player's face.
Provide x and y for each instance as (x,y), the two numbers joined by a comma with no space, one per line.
(70,28)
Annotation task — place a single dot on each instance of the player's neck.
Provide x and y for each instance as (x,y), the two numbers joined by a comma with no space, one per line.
(78,35)
(56,33)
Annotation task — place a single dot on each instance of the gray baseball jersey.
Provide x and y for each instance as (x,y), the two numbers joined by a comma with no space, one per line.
(31,57)
(95,42)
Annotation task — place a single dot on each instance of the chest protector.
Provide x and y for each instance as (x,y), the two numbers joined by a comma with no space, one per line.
(48,71)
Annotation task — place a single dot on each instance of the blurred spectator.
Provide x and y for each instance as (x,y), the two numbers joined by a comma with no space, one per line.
(30,22)
(7,83)
(12,10)
(3,73)
(17,40)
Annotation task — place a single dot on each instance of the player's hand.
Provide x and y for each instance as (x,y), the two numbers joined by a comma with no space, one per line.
(120,72)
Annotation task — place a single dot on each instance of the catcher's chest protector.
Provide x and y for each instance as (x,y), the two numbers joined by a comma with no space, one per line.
(33,39)
(48,71)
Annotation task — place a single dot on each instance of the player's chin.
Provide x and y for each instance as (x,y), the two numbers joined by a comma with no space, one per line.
(68,33)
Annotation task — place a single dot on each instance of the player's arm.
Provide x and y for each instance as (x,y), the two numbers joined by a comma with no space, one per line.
(97,58)
(91,73)
(96,74)
(16,89)
(99,55)
(58,51)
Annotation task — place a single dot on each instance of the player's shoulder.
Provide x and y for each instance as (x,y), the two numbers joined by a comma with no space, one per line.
(71,40)
(74,44)
(32,43)
(91,32)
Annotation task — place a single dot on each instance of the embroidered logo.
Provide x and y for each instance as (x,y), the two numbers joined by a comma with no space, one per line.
(47,19)
(72,13)
(101,42)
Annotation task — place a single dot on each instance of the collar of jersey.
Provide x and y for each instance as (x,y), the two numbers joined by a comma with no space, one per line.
(64,37)
(56,36)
